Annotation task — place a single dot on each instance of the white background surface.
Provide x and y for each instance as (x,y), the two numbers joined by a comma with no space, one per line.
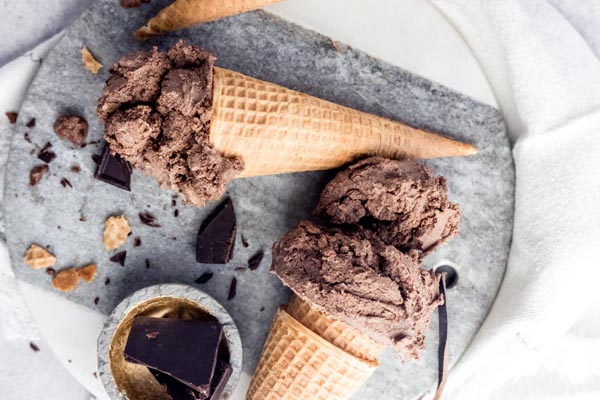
(423,42)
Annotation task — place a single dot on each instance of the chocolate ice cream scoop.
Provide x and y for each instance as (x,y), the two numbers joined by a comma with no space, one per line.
(402,202)
(352,276)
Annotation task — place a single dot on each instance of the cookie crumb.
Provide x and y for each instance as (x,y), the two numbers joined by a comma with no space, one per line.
(88,272)
(89,61)
(37,257)
(115,232)
(66,280)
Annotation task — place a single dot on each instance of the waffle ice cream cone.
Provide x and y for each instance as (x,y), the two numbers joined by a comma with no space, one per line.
(298,364)
(335,332)
(275,130)
(185,13)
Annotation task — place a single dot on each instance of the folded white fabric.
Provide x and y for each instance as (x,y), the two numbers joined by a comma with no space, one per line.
(545,72)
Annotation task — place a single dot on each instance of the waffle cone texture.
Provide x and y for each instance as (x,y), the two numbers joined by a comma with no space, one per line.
(298,364)
(275,130)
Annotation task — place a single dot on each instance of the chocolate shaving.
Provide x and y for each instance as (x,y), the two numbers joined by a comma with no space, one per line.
(244,241)
(262,309)
(137,242)
(147,264)
(31,123)
(232,288)
(26,137)
(255,260)
(148,219)
(37,173)
(119,258)
(50,271)
(176,213)
(45,154)
(205,277)
(96,300)
(216,236)
(34,347)
(65,182)
(75,168)
(12,116)
(107,281)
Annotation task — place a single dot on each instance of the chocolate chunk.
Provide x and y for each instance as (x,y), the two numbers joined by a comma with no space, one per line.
(184,349)
(222,374)
(132,3)
(65,182)
(37,173)
(72,128)
(262,309)
(232,289)
(45,154)
(97,300)
(217,236)
(119,258)
(255,260)
(173,202)
(148,219)
(176,389)
(244,242)
(31,123)
(205,277)
(137,242)
(34,347)
(96,158)
(75,168)
(176,213)
(12,116)
(113,170)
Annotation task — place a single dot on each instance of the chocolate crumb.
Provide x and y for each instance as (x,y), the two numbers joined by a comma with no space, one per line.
(96,300)
(26,137)
(37,173)
(12,116)
(96,158)
(107,281)
(137,242)
(173,202)
(31,123)
(148,219)
(95,375)
(119,258)
(205,277)
(255,260)
(72,128)
(147,264)
(152,335)
(65,182)
(262,309)
(82,218)
(232,288)
(34,347)
(50,271)
(176,213)
(244,241)
(75,168)
(132,3)
(45,154)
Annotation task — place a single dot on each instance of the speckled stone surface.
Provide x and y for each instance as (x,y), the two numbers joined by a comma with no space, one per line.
(205,301)
(272,49)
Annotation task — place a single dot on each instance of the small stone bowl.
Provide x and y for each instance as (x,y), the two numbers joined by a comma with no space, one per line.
(123,380)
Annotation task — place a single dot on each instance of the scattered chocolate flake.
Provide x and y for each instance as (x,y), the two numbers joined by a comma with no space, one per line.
(94,142)
(26,137)
(75,168)
(255,260)
(65,182)
(113,170)
(106,281)
(96,158)
(45,154)
(50,271)
(262,309)
(148,219)
(37,173)
(31,123)
(12,116)
(89,61)
(58,227)
(173,202)
(132,3)
(205,277)
(240,269)
(73,128)
(95,375)
(82,218)
(244,241)
(34,347)
(147,264)
(232,288)
(152,335)
(119,258)
(176,213)
(216,236)
(137,242)
(96,300)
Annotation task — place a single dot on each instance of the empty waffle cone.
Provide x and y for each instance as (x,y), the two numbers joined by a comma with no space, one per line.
(185,13)
(277,130)
(338,333)
(298,364)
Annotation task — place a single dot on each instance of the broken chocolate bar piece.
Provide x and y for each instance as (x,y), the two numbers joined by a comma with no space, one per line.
(113,170)
(45,154)
(185,350)
(217,236)
(222,374)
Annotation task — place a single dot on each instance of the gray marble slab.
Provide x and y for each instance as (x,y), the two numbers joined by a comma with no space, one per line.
(272,49)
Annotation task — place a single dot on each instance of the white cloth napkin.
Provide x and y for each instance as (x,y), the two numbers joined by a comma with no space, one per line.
(542,60)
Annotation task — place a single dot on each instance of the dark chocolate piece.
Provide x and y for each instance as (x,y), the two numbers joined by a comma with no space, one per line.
(232,289)
(147,264)
(217,236)
(37,173)
(184,349)
(34,347)
(12,116)
(45,154)
(31,123)
(137,242)
(205,277)
(176,389)
(107,281)
(65,182)
(222,374)
(113,170)
(72,128)
(255,260)
(119,258)
(97,300)
(176,213)
(148,219)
